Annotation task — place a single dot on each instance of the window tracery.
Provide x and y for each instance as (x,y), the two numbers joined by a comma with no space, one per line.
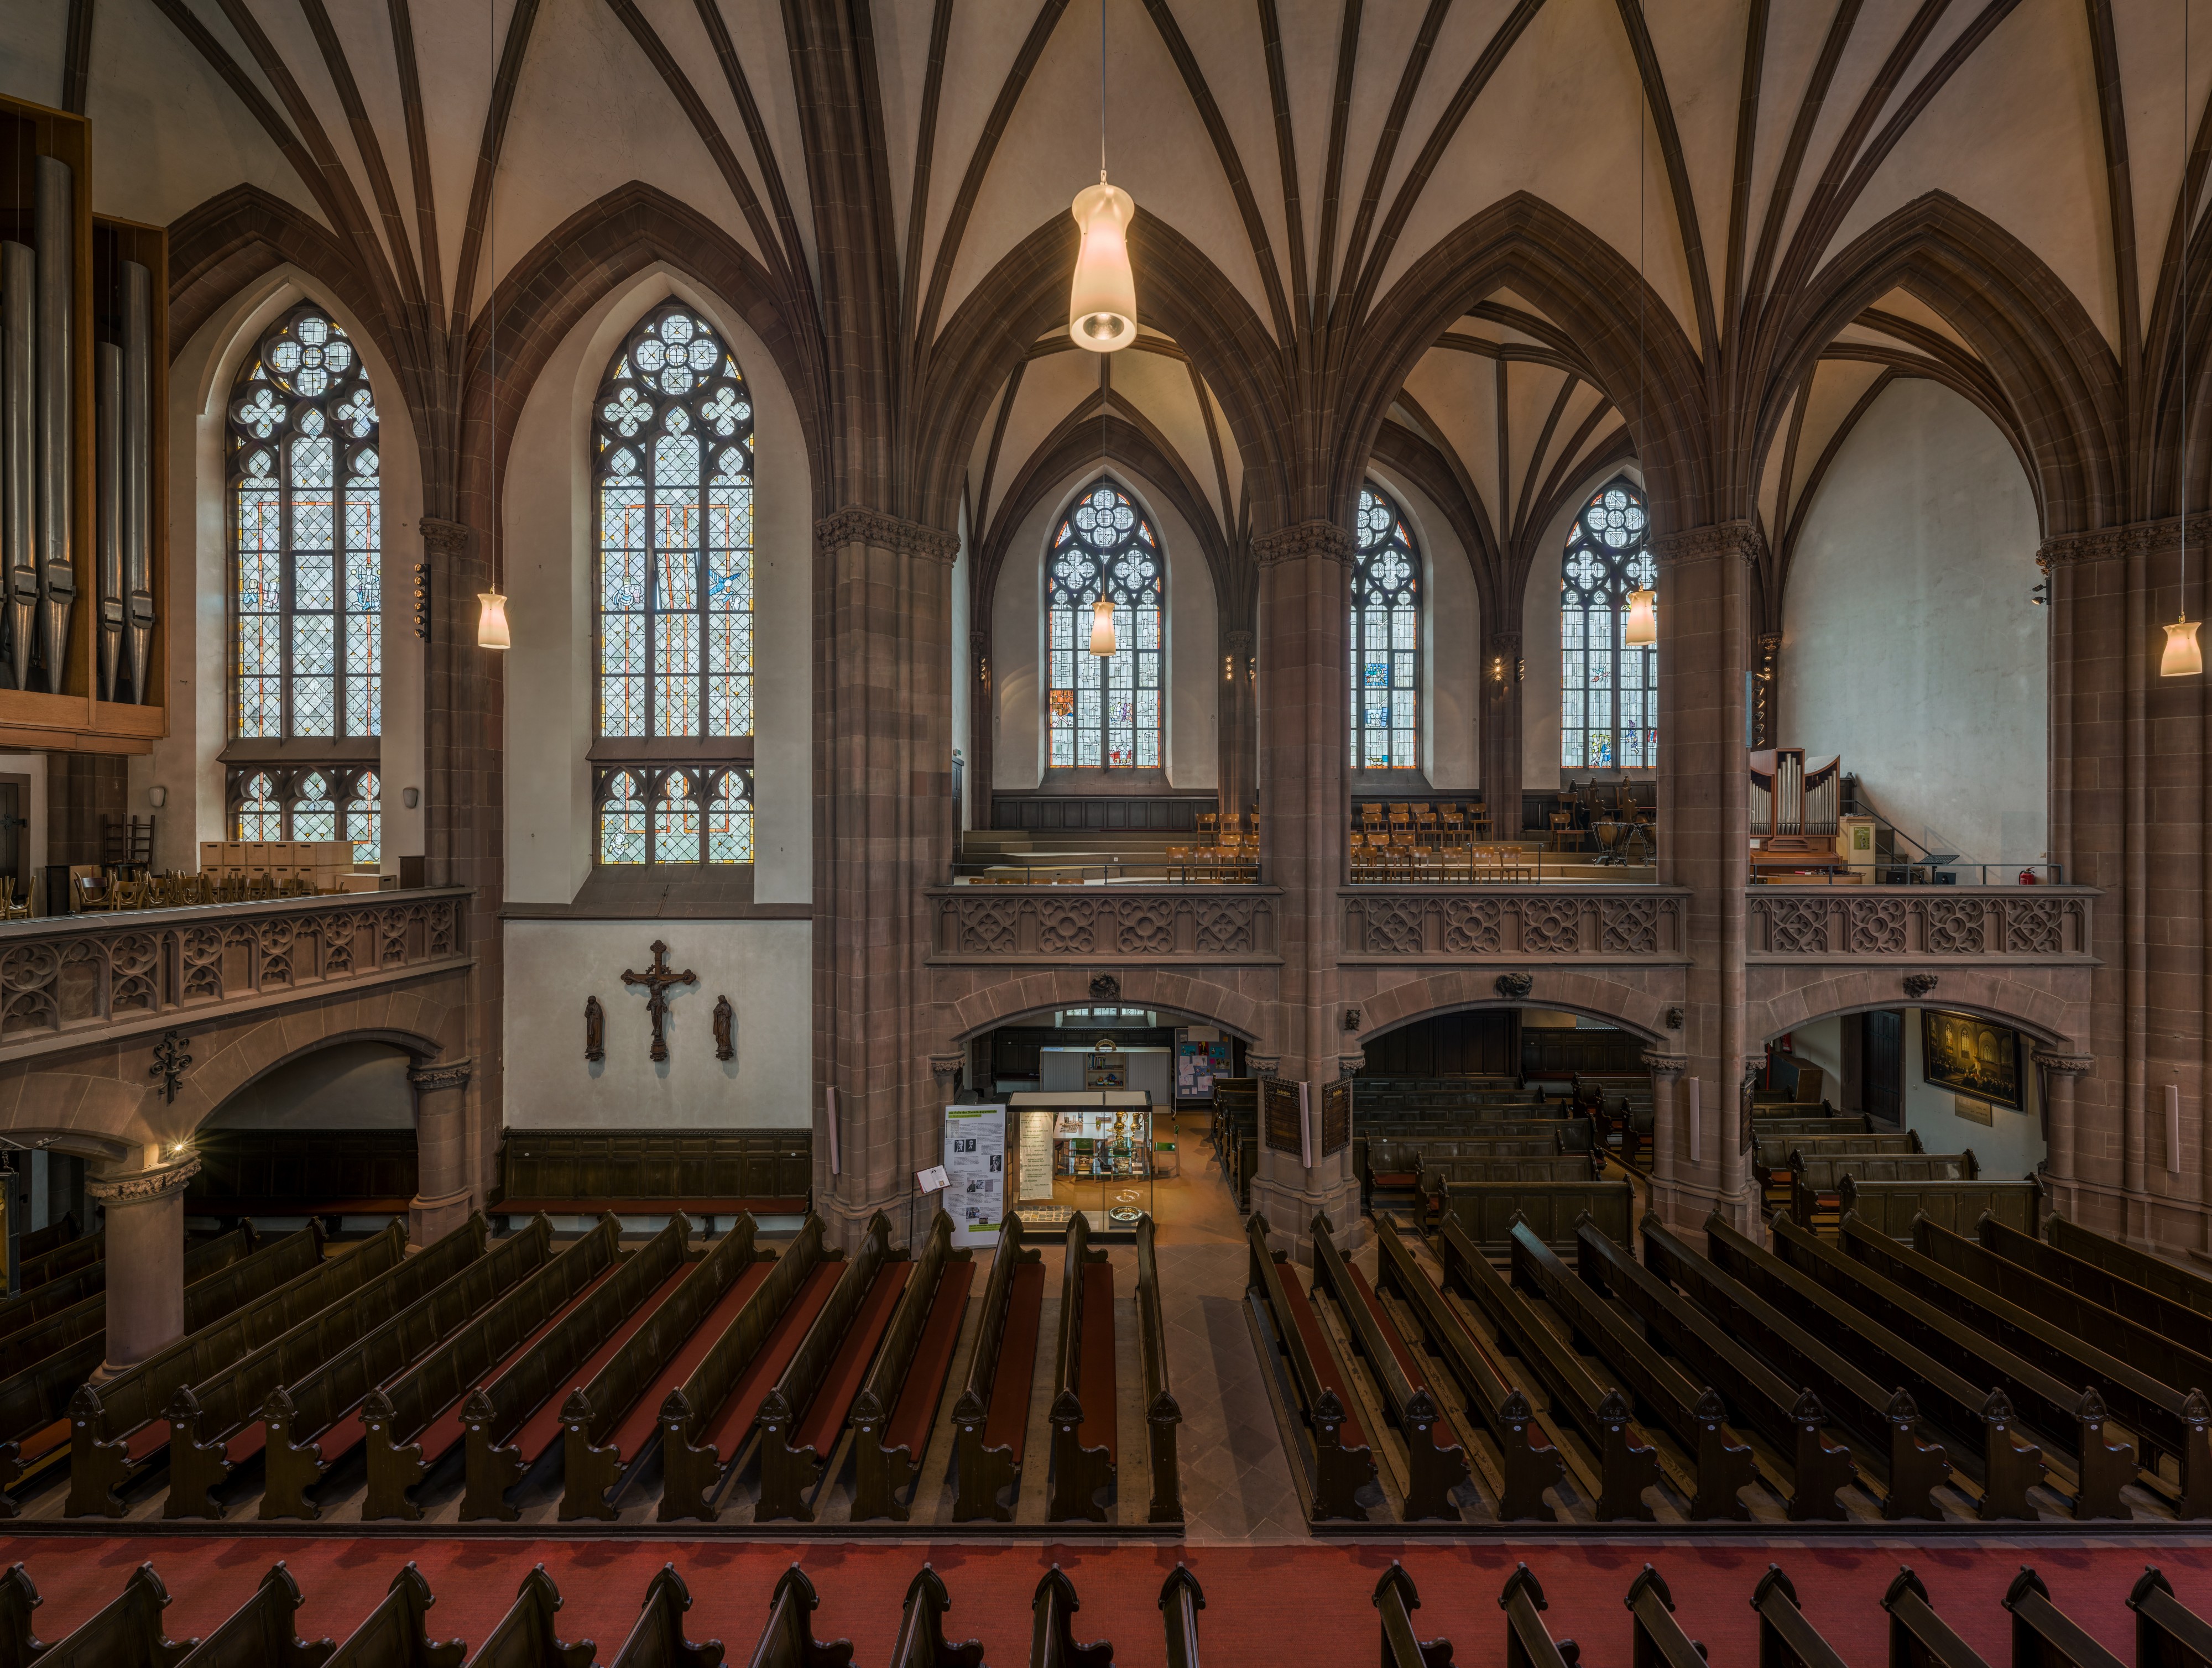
(1609,688)
(1104,712)
(674,814)
(1385,638)
(308,802)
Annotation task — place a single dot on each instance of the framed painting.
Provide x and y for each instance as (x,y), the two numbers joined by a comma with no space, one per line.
(1970,1056)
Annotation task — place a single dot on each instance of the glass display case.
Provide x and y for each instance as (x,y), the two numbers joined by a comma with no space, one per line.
(1092,1150)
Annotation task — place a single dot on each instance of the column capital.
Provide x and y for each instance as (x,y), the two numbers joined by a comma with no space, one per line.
(1660,1064)
(2134,538)
(1350,1066)
(2064,1066)
(445,538)
(1719,538)
(945,1067)
(1264,1066)
(1237,642)
(1302,539)
(1505,642)
(441,1074)
(857,524)
(138,1186)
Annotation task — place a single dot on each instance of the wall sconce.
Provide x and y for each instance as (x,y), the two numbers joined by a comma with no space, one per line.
(1228,668)
(1520,671)
(157,796)
(410,798)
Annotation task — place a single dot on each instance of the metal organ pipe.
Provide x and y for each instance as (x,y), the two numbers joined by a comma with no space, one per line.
(138,427)
(19,455)
(57,416)
(107,415)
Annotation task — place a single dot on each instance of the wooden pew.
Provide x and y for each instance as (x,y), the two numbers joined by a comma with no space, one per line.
(1816,1177)
(66,1327)
(706,1174)
(921,1642)
(2045,1636)
(1656,1638)
(70,1257)
(656,1638)
(2168,1633)
(610,1424)
(1181,1600)
(511,1423)
(1439,1176)
(214,1425)
(526,1637)
(313,1423)
(1698,1418)
(788,1640)
(1331,1449)
(1989,1446)
(1786,1639)
(1485,1210)
(1393,1155)
(802,1418)
(1918,1638)
(1790,1416)
(18,1601)
(1770,1157)
(125,1633)
(115,1428)
(2169,1280)
(1628,1463)
(896,1408)
(1163,1413)
(57,1294)
(1528,1642)
(990,1420)
(38,1242)
(1085,1428)
(1530,1467)
(2071,1422)
(397,1633)
(1395,1601)
(1436,1463)
(303,1173)
(1887,1423)
(2186,1324)
(2161,1416)
(712,1411)
(412,1423)
(1889,1207)
(1052,1627)
(262,1633)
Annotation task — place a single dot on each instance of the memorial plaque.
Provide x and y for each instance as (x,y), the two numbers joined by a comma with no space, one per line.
(1336,1116)
(1278,1113)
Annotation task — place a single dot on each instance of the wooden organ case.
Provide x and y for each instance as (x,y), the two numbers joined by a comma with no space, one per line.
(1794,813)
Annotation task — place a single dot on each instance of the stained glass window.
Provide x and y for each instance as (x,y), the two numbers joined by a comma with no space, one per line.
(679,814)
(305,604)
(308,802)
(1104,711)
(1609,690)
(672,459)
(1385,638)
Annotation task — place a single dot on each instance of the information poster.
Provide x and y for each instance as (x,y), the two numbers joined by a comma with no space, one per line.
(1035,1178)
(975,1167)
(1197,1064)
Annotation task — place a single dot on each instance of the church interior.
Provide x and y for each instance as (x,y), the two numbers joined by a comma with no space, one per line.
(1442,765)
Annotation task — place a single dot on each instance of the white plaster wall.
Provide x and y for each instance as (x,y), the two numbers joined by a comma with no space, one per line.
(188,761)
(548,517)
(765,967)
(1451,643)
(348,1086)
(1910,645)
(1192,748)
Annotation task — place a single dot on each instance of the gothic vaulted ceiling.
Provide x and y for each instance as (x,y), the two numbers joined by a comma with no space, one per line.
(1495,237)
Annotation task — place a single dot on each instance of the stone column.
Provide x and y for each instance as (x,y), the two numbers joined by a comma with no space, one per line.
(1666,1071)
(443,1193)
(2059,1071)
(145,1226)
(1236,761)
(883,836)
(1500,740)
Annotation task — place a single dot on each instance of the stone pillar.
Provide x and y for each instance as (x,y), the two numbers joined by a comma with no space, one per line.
(1500,740)
(444,1193)
(145,1226)
(1666,1071)
(883,836)
(2058,1072)
(1236,745)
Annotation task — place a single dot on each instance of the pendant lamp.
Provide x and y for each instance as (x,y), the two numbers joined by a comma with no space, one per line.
(1642,626)
(1101,307)
(491,622)
(491,606)
(1102,628)
(2182,657)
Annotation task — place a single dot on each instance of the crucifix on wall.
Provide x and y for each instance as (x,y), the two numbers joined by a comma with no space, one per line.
(656,980)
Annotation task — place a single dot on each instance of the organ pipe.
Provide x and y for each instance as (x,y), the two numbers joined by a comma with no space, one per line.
(107,413)
(19,456)
(56,290)
(138,427)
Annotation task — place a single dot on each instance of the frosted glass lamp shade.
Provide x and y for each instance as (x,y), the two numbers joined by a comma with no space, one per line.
(2183,657)
(1102,307)
(1102,628)
(491,622)
(1642,626)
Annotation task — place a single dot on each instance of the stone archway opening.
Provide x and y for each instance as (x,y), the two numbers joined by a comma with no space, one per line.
(1535,1044)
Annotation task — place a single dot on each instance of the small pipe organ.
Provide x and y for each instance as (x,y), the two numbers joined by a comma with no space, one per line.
(83,381)
(1794,810)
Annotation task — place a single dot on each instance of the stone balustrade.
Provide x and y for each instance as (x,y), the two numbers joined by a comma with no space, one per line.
(1019,924)
(1596,923)
(69,980)
(2015,925)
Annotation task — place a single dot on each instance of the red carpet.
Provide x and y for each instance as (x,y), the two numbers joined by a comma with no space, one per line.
(1264,1605)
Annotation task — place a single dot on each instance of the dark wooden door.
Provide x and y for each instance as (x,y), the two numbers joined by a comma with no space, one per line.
(1881,1076)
